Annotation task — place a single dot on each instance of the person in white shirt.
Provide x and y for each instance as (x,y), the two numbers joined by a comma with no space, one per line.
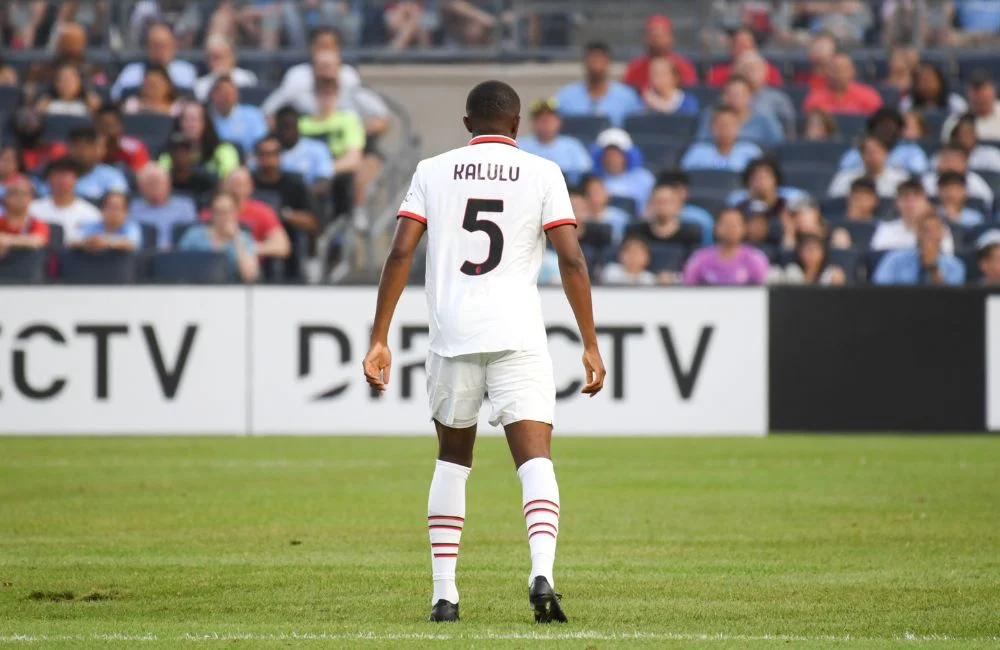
(486,327)
(982,157)
(62,207)
(874,154)
(981,92)
(632,267)
(299,83)
(221,57)
(911,206)
(161,48)
(953,158)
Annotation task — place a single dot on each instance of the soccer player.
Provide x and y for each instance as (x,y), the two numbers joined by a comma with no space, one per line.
(485,208)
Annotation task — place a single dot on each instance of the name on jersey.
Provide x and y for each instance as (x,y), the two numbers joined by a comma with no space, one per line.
(487,172)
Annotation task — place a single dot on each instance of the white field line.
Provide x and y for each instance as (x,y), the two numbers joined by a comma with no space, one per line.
(906,637)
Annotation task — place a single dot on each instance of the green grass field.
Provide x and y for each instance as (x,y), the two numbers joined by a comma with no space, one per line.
(210,542)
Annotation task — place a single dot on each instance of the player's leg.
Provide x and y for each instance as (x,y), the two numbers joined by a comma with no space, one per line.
(455,387)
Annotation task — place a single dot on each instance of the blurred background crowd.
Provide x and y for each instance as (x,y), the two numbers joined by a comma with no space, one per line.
(727,142)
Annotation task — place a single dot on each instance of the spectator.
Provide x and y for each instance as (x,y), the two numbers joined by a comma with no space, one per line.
(8,74)
(977,22)
(952,196)
(599,208)
(752,125)
(632,267)
(10,165)
(842,94)
(119,149)
(988,257)
(617,162)
(70,49)
(724,152)
(690,213)
(887,125)
(63,207)
(466,24)
(266,229)
(662,94)
(269,176)
(28,126)
(763,184)
(863,201)
(982,157)
(156,95)
(221,57)
(186,176)
(803,218)
(218,157)
(342,129)
(68,95)
(903,62)
(874,160)
(743,41)
(161,49)
(18,227)
(820,126)
(659,44)
(303,156)
(822,49)
(729,262)
(810,265)
(759,226)
(407,23)
(847,20)
(914,126)
(929,91)
(982,95)
(223,233)
(159,207)
(546,141)
(928,263)
(597,94)
(955,159)
(96,178)
(911,206)
(766,100)
(185,17)
(665,225)
(241,124)
(298,85)
(113,231)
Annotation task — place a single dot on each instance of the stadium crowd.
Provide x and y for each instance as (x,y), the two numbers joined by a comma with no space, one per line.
(739,171)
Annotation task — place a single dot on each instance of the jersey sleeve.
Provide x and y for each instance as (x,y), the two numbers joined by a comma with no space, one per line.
(557,210)
(415,204)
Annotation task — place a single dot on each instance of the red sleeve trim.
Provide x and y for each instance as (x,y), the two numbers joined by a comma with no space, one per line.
(561,222)
(412,215)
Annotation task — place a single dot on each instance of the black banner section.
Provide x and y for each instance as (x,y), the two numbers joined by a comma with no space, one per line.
(877,359)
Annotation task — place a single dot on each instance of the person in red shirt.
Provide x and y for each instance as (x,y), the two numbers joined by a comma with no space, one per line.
(118,147)
(36,152)
(18,229)
(659,43)
(259,217)
(842,93)
(821,52)
(743,40)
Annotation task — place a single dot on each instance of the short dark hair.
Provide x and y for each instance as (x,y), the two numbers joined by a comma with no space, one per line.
(267,138)
(738,79)
(911,184)
(222,79)
(492,100)
(746,29)
(723,109)
(764,162)
(110,194)
(986,251)
(864,183)
(951,178)
(874,138)
(110,108)
(727,209)
(597,46)
(287,111)
(323,30)
(674,178)
(63,164)
(586,181)
(85,132)
(951,147)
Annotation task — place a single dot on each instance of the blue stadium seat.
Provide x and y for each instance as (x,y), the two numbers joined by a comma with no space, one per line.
(810,180)
(833,208)
(871,261)
(655,125)
(773,252)
(969,61)
(797,93)
(150,234)
(626,203)
(970,235)
(890,94)
(850,125)
(827,153)
(716,180)
(935,122)
(596,235)
(666,257)
(57,127)
(255,95)
(848,260)
(57,237)
(886,208)
(10,97)
(661,152)
(708,96)
(189,267)
(23,266)
(861,232)
(178,232)
(973,274)
(711,203)
(153,129)
(113,267)
(584,127)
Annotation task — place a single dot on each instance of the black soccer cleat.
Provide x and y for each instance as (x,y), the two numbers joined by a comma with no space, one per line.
(444,612)
(546,602)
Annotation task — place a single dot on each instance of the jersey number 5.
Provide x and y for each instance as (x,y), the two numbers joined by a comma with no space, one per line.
(473,223)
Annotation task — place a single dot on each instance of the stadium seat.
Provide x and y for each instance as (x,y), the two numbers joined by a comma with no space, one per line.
(10,96)
(113,267)
(57,236)
(654,125)
(189,267)
(969,61)
(661,152)
(150,234)
(833,208)
(797,93)
(626,203)
(596,235)
(57,127)
(850,125)
(153,129)
(935,122)
(973,274)
(178,232)
(972,234)
(666,257)
(890,95)
(773,252)
(886,208)
(814,154)
(711,203)
(715,180)
(861,232)
(811,180)
(255,95)
(708,96)
(871,262)
(584,127)
(847,260)
(23,266)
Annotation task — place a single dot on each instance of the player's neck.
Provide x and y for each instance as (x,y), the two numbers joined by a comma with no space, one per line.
(491,132)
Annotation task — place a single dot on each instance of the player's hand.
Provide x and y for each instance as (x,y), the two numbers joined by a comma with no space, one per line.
(594,371)
(376,366)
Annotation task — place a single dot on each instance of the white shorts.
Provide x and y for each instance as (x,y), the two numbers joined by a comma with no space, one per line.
(520,386)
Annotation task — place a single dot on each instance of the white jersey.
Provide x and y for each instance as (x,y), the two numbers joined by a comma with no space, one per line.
(486,207)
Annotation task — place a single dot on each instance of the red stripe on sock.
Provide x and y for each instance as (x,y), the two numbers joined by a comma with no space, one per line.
(433,526)
(543,523)
(443,544)
(446,555)
(542,510)
(542,532)
(551,503)
(452,518)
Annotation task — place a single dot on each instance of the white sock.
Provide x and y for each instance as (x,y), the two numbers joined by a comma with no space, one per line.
(445,520)
(540,499)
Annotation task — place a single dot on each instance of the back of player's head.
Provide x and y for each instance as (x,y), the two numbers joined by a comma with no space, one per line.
(493,107)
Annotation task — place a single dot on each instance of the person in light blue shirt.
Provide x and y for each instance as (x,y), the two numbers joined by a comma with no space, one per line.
(927,264)
(241,124)
(725,152)
(223,234)
(887,123)
(953,195)
(160,49)
(114,231)
(761,128)
(619,164)
(309,158)
(690,213)
(564,150)
(159,207)
(600,210)
(978,17)
(598,94)
(96,179)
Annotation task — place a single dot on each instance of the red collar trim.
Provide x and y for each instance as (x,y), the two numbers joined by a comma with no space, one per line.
(493,139)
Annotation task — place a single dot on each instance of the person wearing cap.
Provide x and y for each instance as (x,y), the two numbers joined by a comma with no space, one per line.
(241,124)
(842,94)
(981,91)
(952,197)
(955,159)
(158,206)
(926,263)
(742,41)
(62,206)
(753,125)
(988,257)
(874,159)
(862,201)
(618,162)
(659,44)
(96,178)
(546,141)
(598,94)
(186,176)
(18,228)
(911,206)
(663,95)
(119,149)
(887,124)
(725,151)
(114,232)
